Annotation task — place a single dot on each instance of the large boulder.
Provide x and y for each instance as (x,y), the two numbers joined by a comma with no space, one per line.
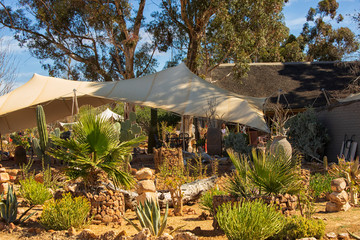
(144,174)
(338,185)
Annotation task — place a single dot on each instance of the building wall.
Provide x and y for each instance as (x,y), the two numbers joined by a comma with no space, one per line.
(341,120)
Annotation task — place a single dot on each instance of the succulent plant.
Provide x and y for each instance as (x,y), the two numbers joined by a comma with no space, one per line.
(129,129)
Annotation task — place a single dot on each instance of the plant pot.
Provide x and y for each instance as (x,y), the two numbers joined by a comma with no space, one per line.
(280,142)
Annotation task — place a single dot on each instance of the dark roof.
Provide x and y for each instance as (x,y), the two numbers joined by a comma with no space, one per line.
(301,83)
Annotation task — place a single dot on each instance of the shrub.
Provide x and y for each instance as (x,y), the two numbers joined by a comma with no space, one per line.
(238,142)
(320,184)
(249,220)
(266,174)
(206,200)
(148,215)
(300,227)
(307,134)
(35,193)
(65,213)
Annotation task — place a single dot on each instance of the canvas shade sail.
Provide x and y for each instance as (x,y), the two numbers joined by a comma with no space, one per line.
(175,89)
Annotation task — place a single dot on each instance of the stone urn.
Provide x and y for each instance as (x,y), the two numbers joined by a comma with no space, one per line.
(281,142)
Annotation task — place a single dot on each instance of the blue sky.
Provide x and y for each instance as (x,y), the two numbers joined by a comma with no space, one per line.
(295,16)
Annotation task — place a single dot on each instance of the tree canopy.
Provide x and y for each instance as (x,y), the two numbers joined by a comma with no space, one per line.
(92,40)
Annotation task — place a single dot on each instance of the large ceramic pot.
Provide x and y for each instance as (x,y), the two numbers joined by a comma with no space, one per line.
(281,142)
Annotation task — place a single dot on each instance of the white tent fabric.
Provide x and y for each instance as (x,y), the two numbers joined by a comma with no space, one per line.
(175,89)
(350,98)
(108,114)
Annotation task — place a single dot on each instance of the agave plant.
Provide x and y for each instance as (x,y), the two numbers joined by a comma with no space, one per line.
(9,208)
(148,215)
(94,149)
(267,174)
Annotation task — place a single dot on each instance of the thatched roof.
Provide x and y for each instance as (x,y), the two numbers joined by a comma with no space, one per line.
(301,83)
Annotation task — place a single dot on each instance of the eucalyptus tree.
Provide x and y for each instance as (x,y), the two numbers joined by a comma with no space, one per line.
(207,33)
(100,36)
(323,42)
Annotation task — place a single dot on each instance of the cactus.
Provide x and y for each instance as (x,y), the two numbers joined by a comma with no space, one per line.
(129,129)
(56,132)
(42,130)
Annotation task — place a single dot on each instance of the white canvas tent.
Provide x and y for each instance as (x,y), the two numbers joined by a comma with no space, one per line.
(108,114)
(175,89)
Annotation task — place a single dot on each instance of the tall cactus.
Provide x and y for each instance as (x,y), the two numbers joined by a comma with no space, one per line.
(42,129)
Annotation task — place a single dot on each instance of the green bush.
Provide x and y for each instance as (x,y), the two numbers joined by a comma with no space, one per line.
(238,142)
(249,220)
(35,193)
(206,200)
(300,227)
(307,134)
(65,213)
(320,184)
(266,174)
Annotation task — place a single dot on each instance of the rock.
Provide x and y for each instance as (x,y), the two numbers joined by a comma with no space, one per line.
(121,236)
(145,186)
(331,235)
(106,219)
(13,172)
(12,226)
(2,170)
(39,177)
(339,198)
(144,174)
(165,236)
(185,236)
(332,207)
(344,236)
(109,235)
(338,185)
(308,238)
(4,188)
(4,177)
(146,196)
(87,234)
(71,231)
(143,235)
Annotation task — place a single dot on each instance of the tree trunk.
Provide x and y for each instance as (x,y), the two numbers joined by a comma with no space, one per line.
(153,130)
(192,54)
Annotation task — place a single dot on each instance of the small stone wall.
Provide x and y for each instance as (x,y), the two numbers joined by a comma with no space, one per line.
(107,206)
(286,203)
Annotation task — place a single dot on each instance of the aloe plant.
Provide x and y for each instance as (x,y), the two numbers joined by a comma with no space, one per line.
(148,215)
(9,208)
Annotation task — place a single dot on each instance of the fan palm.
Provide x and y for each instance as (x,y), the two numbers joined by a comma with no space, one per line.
(267,173)
(95,148)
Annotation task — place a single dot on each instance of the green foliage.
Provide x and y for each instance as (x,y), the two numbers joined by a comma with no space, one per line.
(148,215)
(320,184)
(58,33)
(324,43)
(249,220)
(20,140)
(266,174)
(297,227)
(129,128)
(66,212)
(206,200)
(238,142)
(93,149)
(9,208)
(310,142)
(35,193)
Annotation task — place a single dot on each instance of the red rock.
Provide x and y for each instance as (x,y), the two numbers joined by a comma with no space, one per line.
(4,177)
